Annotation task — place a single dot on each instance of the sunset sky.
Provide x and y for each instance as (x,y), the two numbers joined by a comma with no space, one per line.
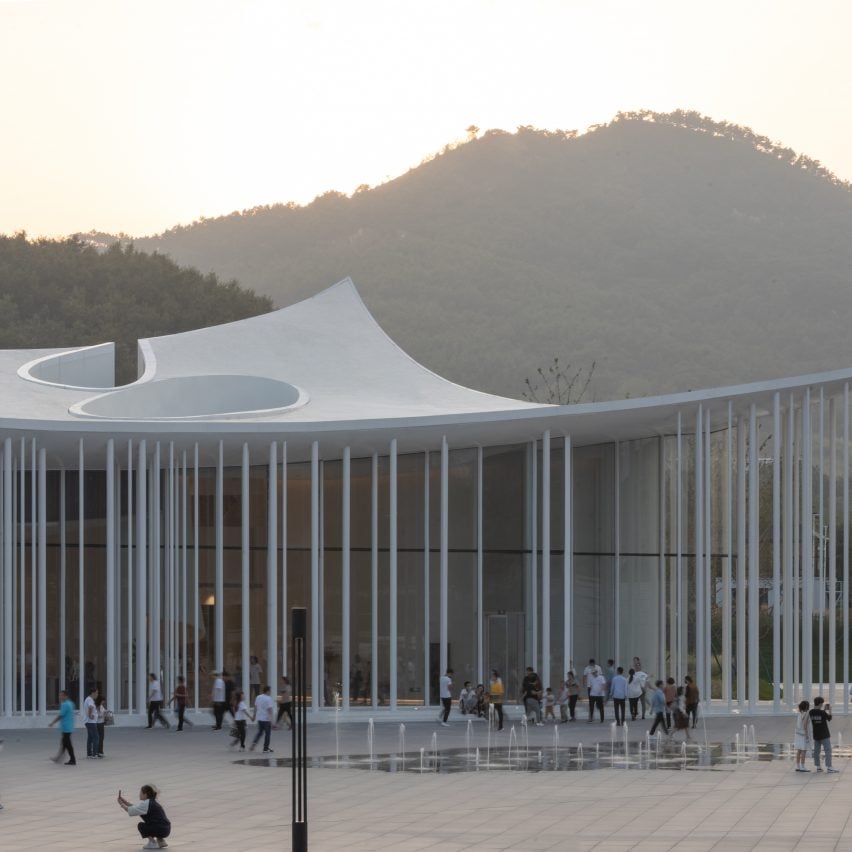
(136,116)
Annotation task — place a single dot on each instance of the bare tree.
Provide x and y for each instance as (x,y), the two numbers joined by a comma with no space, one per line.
(559,385)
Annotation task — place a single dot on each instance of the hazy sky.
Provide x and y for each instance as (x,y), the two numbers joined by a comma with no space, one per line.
(136,116)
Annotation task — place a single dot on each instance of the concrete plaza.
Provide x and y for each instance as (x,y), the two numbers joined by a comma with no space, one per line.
(216,802)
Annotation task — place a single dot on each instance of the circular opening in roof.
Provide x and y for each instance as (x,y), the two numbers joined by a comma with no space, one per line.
(190,397)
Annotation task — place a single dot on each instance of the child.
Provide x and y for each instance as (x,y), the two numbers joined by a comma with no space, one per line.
(802,737)
(463,697)
(155,825)
(241,716)
(102,713)
(549,704)
(563,702)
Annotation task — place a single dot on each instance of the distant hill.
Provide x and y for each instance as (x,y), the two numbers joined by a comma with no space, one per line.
(674,251)
(56,293)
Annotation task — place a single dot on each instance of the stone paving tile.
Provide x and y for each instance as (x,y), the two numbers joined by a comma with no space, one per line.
(218,803)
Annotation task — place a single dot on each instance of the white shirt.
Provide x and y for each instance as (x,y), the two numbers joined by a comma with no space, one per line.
(263,707)
(90,712)
(155,693)
(599,685)
(218,690)
(446,684)
(242,712)
(588,673)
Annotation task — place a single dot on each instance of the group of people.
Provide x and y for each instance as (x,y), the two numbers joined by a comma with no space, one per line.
(812,733)
(96,717)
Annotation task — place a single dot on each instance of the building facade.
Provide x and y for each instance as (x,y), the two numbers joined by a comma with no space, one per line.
(301,458)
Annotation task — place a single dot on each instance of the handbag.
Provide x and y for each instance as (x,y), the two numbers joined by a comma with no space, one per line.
(109,719)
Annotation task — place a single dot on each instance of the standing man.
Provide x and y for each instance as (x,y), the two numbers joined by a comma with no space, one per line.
(658,708)
(179,699)
(66,725)
(597,695)
(155,702)
(642,677)
(588,675)
(90,718)
(618,692)
(445,691)
(218,697)
(820,717)
(691,698)
(264,707)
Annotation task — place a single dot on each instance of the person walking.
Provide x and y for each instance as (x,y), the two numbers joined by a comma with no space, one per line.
(285,703)
(104,713)
(802,736)
(670,692)
(497,691)
(155,702)
(255,678)
(264,708)
(65,719)
(692,699)
(634,693)
(90,718)
(618,693)
(588,676)
(179,700)
(820,717)
(445,692)
(573,687)
(217,696)
(531,688)
(155,826)
(658,708)
(642,677)
(597,696)
(681,717)
(241,717)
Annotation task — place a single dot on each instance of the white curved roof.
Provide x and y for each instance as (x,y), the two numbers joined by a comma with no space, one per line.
(322,360)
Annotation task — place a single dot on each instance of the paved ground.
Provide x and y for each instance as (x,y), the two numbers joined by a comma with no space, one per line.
(217,803)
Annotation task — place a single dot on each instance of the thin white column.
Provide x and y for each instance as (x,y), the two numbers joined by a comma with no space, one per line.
(141,576)
(545,558)
(112,639)
(699,548)
(129,574)
(321,583)
(753,559)
(533,576)
(392,558)
(272,570)
(727,533)
(81,564)
(246,568)
(184,583)
(788,556)
(374,579)
(708,559)
(316,651)
(480,553)
(567,557)
(776,552)
(445,468)
(63,583)
(677,663)
(661,568)
(616,560)
(156,656)
(741,562)
(345,571)
(22,583)
(427,585)
(33,580)
(285,620)
(831,543)
(807,551)
(820,566)
(8,598)
(196,609)
(845,604)
(220,559)
(42,581)
(797,555)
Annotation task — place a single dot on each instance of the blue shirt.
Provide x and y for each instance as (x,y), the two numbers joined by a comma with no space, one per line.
(618,687)
(658,701)
(66,716)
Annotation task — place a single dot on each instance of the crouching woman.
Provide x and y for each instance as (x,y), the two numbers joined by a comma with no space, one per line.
(155,826)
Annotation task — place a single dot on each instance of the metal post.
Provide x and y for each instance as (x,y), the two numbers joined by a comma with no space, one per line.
(393,578)
(545,558)
(300,730)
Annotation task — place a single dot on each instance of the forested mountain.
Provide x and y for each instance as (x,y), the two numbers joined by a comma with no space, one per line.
(56,293)
(674,251)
